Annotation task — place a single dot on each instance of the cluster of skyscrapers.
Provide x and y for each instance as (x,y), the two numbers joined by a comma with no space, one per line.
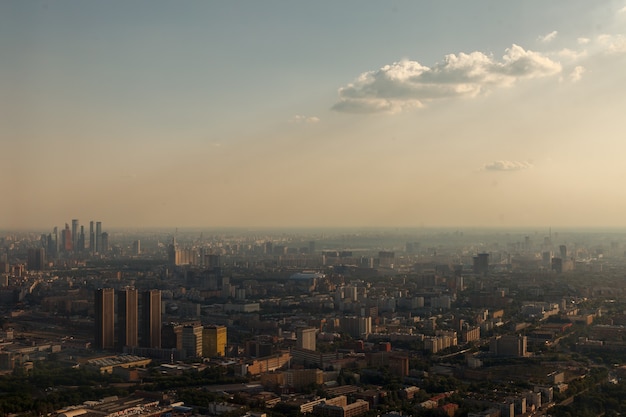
(138,318)
(75,239)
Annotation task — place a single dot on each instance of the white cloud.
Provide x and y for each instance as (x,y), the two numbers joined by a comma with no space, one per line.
(571,55)
(577,73)
(583,41)
(298,118)
(507,166)
(613,43)
(622,10)
(408,84)
(548,37)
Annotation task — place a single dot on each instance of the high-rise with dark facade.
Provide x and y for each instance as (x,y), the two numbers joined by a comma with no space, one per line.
(74,234)
(104,307)
(81,239)
(481,264)
(128,318)
(55,242)
(192,339)
(98,237)
(36,259)
(104,239)
(151,319)
(92,238)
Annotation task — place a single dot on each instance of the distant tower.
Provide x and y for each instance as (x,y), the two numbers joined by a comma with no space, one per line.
(105,242)
(171,252)
(151,319)
(66,236)
(137,247)
(127,318)
(92,238)
(53,244)
(563,251)
(55,235)
(481,264)
(81,239)
(104,307)
(74,234)
(98,237)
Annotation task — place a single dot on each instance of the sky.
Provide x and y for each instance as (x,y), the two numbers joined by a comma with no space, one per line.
(155,113)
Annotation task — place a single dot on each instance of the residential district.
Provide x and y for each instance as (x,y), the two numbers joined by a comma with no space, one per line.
(325,323)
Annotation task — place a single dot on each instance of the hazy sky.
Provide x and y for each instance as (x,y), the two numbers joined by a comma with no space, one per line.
(318,113)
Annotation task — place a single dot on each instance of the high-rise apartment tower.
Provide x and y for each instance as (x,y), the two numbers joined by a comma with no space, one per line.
(151,319)
(104,318)
(127,318)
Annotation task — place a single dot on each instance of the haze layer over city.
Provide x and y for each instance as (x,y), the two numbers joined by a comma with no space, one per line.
(322,114)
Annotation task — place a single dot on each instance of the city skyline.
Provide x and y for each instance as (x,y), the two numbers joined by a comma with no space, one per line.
(274,115)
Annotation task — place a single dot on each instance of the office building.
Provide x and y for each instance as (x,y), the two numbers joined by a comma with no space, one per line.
(192,339)
(306,337)
(172,336)
(151,319)
(104,318)
(508,345)
(300,378)
(128,318)
(214,341)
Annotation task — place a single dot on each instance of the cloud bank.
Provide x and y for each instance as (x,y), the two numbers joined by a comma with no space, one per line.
(507,166)
(408,84)
(615,44)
